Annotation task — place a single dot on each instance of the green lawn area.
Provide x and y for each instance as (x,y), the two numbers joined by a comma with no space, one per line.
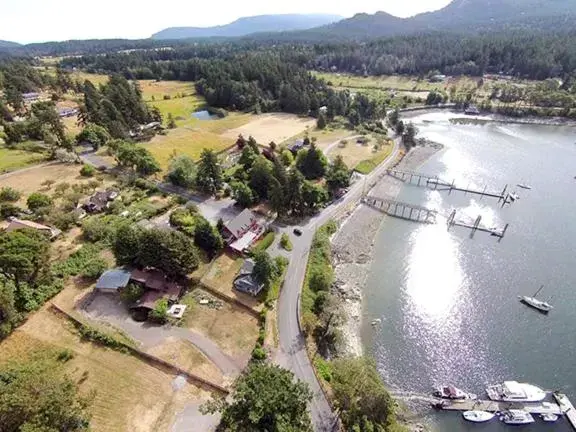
(396,82)
(193,135)
(180,108)
(11,160)
(368,165)
(159,89)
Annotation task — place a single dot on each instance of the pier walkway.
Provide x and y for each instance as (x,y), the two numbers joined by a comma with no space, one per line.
(419,179)
(401,210)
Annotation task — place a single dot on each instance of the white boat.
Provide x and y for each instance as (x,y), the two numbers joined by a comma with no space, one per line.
(477,416)
(532,301)
(453,393)
(513,391)
(549,417)
(517,417)
(513,196)
(524,186)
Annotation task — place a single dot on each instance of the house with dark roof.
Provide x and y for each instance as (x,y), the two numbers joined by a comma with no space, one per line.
(296,146)
(245,283)
(100,201)
(112,281)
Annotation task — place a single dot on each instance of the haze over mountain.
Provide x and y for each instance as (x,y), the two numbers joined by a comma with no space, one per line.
(248,25)
(460,15)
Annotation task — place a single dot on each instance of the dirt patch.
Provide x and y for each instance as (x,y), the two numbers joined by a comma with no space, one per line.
(183,354)
(272,127)
(234,330)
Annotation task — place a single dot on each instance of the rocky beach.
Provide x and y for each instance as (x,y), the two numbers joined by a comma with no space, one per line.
(353,248)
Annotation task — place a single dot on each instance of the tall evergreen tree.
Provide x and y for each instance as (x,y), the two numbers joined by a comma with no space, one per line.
(209,178)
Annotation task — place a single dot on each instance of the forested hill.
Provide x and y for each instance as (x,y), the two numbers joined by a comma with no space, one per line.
(248,25)
(8,44)
(464,16)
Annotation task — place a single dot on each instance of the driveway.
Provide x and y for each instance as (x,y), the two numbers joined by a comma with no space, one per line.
(110,309)
(192,420)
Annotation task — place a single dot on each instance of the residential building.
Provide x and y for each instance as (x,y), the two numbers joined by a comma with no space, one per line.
(112,281)
(100,201)
(16,224)
(242,231)
(245,283)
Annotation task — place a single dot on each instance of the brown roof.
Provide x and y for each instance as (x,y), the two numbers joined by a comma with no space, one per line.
(156,281)
(149,299)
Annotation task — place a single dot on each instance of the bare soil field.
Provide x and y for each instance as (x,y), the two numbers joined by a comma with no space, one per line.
(130,395)
(276,127)
(234,330)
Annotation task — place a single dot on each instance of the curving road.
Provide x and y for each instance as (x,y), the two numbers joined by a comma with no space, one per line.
(292,351)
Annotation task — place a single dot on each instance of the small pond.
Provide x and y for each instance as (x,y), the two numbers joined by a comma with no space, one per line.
(204,115)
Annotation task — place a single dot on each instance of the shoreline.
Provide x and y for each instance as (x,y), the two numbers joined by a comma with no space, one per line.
(484,118)
(353,250)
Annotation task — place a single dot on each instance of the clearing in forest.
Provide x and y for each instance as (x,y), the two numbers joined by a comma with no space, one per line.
(277,127)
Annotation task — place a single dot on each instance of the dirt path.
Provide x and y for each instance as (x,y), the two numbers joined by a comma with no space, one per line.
(108,309)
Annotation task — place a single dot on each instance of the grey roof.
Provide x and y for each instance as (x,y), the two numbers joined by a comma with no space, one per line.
(241,223)
(248,285)
(247,267)
(114,279)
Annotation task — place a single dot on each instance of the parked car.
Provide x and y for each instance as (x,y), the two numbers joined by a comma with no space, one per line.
(298,232)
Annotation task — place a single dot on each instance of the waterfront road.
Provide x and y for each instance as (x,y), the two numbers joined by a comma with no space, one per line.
(292,350)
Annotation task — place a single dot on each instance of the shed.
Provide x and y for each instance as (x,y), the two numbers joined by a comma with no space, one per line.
(112,281)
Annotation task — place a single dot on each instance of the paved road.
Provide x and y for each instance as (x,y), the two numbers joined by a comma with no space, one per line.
(292,351)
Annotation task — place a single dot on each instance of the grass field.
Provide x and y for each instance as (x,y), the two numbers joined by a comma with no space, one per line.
(156,90)
(129,394)
(354,153)
(11,160)
(367,165)
(95,79)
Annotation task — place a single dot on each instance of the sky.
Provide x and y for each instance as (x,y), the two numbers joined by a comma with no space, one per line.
(28,21)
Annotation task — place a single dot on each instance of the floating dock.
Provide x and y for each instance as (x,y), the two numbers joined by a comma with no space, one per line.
(496,232)
(496,406)
(563,407)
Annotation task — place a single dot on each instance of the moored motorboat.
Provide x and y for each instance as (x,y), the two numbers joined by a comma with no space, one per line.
(549,417)
(477,416)
(517,417)
(453,393)
(524,186)
(513,391)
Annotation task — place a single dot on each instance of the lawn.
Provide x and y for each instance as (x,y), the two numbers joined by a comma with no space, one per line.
(95,79)
(129,394)
(368,165)
(11,160)
(180,108)
(392,82)
(193,135)
(354,153)
(156,90)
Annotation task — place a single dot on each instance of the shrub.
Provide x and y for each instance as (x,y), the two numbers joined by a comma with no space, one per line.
(65,355)
(264,243)
(320,280)
(285,242)
(324,368)
(261,336)
(87,171)
(160,312)
(8,194)
(132,293)
(94,268)
(8,210)
(258,354)
(38,200)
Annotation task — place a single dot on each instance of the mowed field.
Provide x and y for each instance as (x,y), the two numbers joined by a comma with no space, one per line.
(130,395)
(11,160)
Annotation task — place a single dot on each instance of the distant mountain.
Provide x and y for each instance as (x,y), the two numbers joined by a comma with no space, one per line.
(8,44)
(248,25)
(460,15)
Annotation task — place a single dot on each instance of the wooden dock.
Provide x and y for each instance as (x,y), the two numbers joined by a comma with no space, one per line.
(476,226)
(401,210)
(435,183)
(495,406)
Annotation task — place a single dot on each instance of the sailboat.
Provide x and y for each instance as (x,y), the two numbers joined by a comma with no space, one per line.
(540,305)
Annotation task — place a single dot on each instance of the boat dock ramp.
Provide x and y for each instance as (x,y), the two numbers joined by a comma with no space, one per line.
(435,183)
